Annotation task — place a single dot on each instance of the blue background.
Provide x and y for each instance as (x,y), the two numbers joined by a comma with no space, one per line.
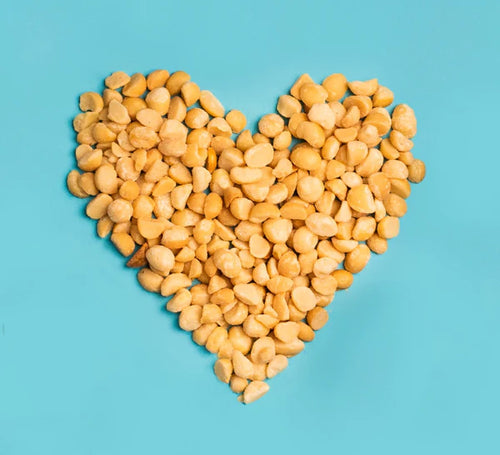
(408,364)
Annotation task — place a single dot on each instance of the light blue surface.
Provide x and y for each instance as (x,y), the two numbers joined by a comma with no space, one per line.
(408,364)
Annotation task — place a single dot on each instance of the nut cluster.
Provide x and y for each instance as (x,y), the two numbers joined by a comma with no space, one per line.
(250,235)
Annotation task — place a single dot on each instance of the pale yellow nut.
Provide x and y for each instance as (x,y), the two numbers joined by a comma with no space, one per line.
(196,118)
(377,244)
(73,185)
(292,348)
(133,105)
(321,225)
(238,384)
(366,88)
(395,205)
(343,278)
(211,104)
(120,211)
(340,111)
(416,171)
(149,280)
(226,350)
(351,117)
(369,134)
(277,230)
(176,81)
(311,93)
(380,185)
(400,141)
(303,298)
(102,133)
(346,134)
(249,293)
(382,97)
(239,339)
(325,285)
(301,80)
(282,141)
(310,189)
(371,164)
(150,118)
(160,259)
(286,331)
(324,266)
(362,102)
(123,243)
(118,113)
(157,78)
(87,183)
(288,105)
(305,333)
(317,318)
(91,101)
(143,137)
(177,109)
(143,206)
(279,284)
(322,115)
(104,227)
(388,227)
(227,262)
(335,86)
(303,240)
(136,86)
(190,92)
(406,157)
(356,260)
(364,228)
(263,350)
(351,179)
(84,120)
(263,211)
(401,187)
(404,120)
(108,95)
(305,157)
(357,151)
(216,339)
(151,228)
(223,369)
(237,120)
(259,155)
(189,318)
(219,127)
(294,121)
(98,206)
(157,99)
(271,125)
(201,334)
(126,170)
(259,246)
(182,299)
(180,195)
(360,198)
(242,365)
(276,366)
(254,391)
(312,133)
(243,175)
(213,206)
(395,169)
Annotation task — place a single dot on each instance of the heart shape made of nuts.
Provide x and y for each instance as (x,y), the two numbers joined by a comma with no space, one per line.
(250,235)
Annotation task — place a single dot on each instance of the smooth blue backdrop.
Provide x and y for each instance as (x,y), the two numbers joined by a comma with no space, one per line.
(408,364)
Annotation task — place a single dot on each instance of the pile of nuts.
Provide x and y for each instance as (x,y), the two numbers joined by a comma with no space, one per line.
(249,235)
